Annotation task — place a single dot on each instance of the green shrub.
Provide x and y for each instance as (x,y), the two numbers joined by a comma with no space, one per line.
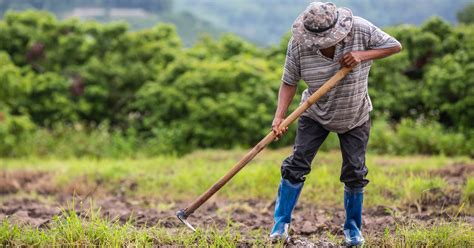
(417,137)
(381,137)
(14,132)
(212,103)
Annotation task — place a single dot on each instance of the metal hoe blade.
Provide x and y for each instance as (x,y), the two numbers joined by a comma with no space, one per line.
(182,217)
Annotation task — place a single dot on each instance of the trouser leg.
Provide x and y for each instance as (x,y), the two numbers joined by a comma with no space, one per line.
(353,148)
(309,137)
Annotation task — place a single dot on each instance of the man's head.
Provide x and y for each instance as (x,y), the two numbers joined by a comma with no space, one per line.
(322,25)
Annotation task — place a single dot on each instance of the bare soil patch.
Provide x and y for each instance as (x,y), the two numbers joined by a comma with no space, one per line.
(456,173)
(25,180)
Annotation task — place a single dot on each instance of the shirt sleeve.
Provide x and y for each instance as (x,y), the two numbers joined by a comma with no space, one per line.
(378,39)
(291,72)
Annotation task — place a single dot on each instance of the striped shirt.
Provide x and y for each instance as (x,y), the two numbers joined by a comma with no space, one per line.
(347,105)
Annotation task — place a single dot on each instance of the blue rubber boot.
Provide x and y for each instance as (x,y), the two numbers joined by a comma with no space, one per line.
(288,194)
(353,199)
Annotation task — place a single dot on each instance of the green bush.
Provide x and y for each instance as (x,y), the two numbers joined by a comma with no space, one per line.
(417,137)
(212,104)
(449,89)
(14,133)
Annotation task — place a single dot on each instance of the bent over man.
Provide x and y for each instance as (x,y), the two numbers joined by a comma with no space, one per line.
(324,39)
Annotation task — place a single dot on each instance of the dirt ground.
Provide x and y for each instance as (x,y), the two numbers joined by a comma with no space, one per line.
(312,224)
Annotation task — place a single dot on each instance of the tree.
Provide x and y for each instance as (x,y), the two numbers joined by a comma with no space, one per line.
(466,15)
(450,84)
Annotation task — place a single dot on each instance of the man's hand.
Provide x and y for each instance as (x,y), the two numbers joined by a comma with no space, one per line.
(275,127)
(351,59)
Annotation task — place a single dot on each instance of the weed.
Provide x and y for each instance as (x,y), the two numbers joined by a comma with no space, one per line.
(468,194)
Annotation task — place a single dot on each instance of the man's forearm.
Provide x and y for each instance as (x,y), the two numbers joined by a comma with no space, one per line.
(379,53)
(285,96)
(351,59)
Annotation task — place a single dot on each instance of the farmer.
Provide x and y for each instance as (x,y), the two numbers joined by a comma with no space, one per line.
(325,38)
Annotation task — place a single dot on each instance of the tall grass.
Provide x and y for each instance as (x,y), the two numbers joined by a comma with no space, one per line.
(455,234)
(468,192)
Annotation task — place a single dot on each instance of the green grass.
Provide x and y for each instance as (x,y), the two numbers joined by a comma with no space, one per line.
(453,234)
(468,193)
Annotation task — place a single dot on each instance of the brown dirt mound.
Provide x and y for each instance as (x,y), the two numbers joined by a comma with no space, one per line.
(43,183)
(28,211)
(456,173)
(13,181)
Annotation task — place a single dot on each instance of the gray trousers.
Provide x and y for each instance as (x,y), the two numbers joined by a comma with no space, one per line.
(309,137)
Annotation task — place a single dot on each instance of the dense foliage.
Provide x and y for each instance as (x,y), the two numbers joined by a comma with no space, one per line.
(99,89)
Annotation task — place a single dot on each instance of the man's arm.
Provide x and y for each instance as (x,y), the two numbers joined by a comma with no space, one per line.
(289,81)
(355,57)
(285,96)
(377,44)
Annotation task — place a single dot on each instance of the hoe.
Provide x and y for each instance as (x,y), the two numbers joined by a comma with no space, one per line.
(183,214)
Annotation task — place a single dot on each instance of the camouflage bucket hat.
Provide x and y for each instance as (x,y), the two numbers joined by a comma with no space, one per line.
(322,25)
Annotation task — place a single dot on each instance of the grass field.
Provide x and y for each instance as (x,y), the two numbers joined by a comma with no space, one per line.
(411,201)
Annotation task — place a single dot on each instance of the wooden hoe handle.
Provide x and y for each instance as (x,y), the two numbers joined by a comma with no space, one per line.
(267,140)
